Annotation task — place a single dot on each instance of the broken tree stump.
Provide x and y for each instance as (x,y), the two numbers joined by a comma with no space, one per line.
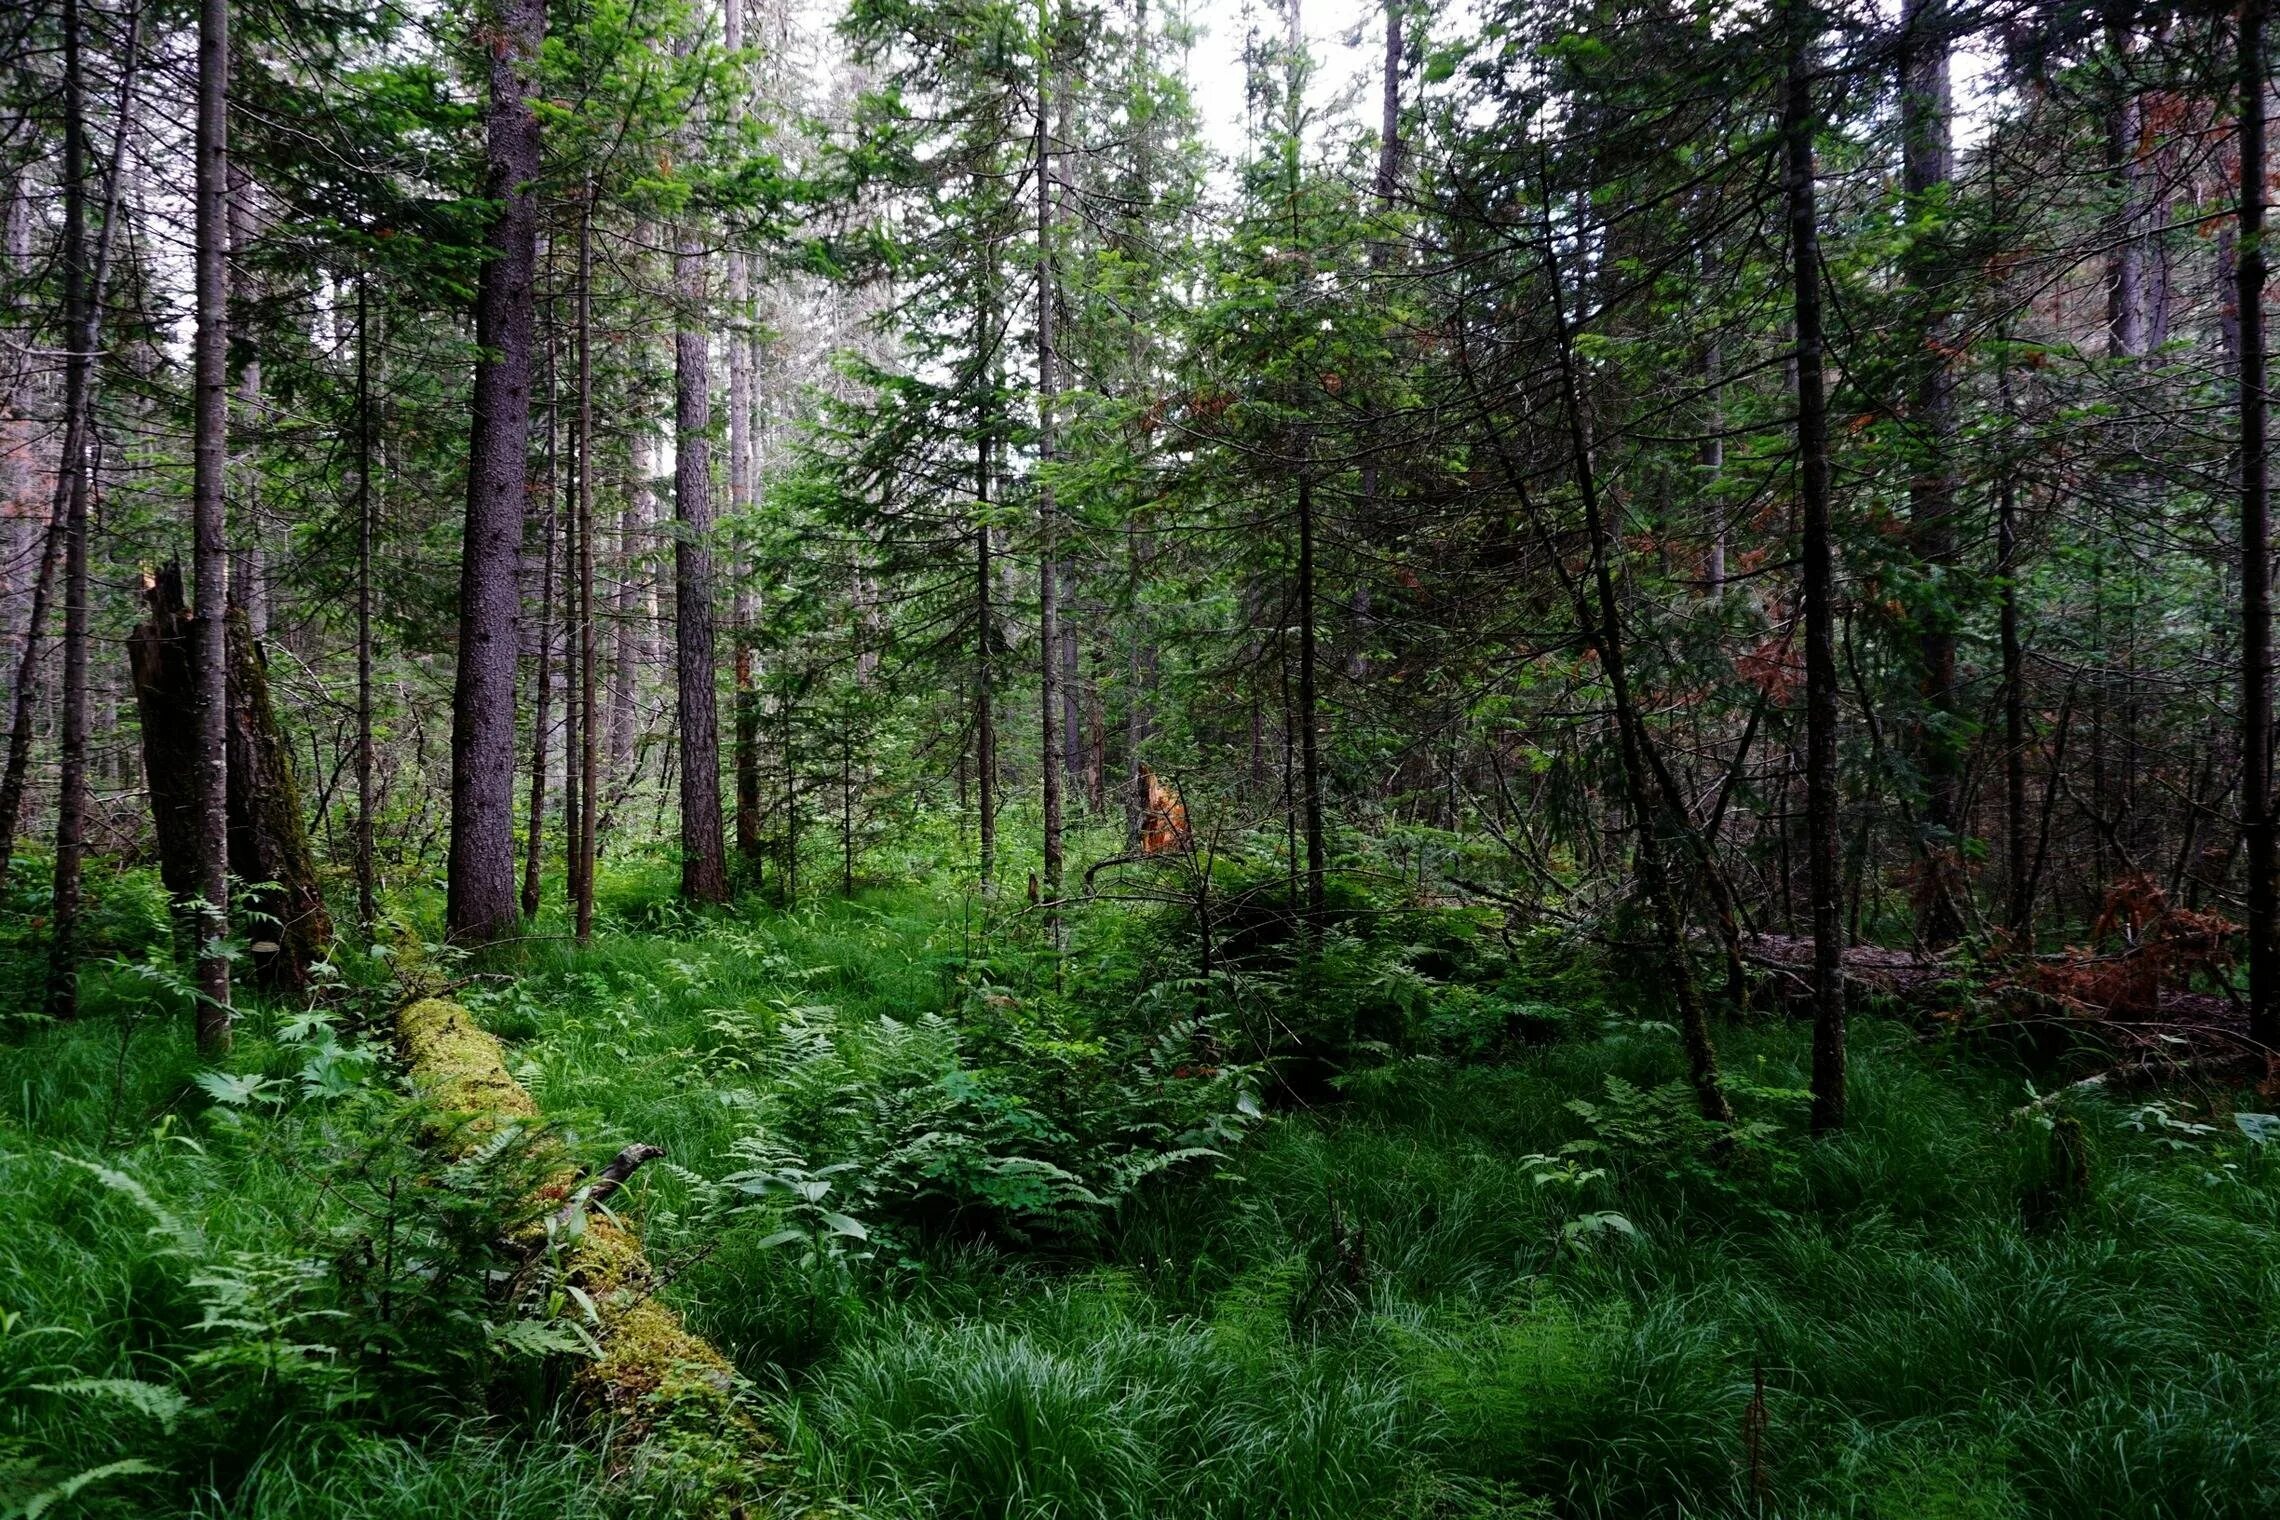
(268,840)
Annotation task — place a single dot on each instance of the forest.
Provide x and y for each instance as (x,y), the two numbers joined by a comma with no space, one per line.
(1137,760)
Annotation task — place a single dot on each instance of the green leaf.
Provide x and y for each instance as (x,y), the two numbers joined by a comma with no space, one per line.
(157,1400)
(238,1089)
(41,1503)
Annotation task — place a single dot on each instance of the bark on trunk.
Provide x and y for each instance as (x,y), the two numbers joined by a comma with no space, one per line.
(268,842)
(542,710)
(71,797)
(985,695)
(1309,742)
(589,748)
(625,659)
(481,889)
(367,872)
(1819,576)
(704,864)
(2256,553)
(209,525)
(2020,909)
(1927,168)
(744,715)
(1048,528)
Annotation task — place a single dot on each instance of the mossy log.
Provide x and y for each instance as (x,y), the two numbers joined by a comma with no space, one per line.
(268,841)
(673,1406)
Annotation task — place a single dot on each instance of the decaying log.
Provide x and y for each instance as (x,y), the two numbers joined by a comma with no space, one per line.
(268,841)
(674,1407)
(606,1181)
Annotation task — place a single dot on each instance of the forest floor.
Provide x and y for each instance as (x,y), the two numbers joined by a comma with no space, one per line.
(976,1265)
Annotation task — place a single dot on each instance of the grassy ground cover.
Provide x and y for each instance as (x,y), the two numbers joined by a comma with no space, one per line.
(989,1250)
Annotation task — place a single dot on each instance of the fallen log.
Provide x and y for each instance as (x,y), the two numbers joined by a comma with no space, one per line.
(674,1409)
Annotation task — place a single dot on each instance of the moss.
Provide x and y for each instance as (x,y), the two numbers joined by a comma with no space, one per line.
(673,1404)
(462,1070)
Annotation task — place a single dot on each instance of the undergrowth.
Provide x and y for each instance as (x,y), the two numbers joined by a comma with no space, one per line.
(996,1249)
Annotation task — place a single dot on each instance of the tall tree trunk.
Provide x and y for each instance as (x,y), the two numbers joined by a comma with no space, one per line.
(1817,555)
(542,715)
(71,798)
(2130,275)
(589,749)
(2020,909)
(573,775)
(77,426)
(1072,681)
(1309,719)
(367,873)
(2256,553)
(704,864)
(1048,528)
(1713,457)
(985,696)
(1139,667)
(1602,628)
(249,569)
(625,659)
(481,889)
(209,526)
(742,710)
(1928,165)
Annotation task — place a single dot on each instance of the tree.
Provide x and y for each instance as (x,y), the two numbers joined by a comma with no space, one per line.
(1817,553)
(2258,823)
(209,523)
(481,884)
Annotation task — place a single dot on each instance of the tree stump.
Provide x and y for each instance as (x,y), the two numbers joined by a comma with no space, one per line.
(268,842)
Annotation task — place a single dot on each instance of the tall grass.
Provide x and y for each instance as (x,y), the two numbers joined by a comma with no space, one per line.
(1390,1301)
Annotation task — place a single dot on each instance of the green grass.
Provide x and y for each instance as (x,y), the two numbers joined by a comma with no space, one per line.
(1373,1305)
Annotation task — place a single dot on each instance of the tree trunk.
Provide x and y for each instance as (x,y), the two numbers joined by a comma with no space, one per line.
(1602,628)
(268,842)
(1139,667)
(573,777)
(249,570)
(76,427)
(481,890)
(625,660)
(1819,575)
(1928,167)
(744,726)
(71,794)
(2020,912)
(589,750)
(985,695)
(534,833)
(704,864)
(1308,719)
(209,524)
(367,873)
(1048,568)
(2256,553)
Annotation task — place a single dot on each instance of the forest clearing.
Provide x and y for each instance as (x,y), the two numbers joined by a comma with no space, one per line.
(965,760)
